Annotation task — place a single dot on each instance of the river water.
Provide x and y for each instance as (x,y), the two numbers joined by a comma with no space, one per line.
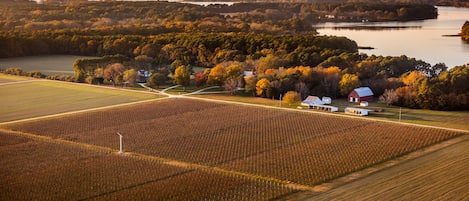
(423,40)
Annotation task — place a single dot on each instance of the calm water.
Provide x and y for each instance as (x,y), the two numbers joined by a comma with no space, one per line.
(421,39)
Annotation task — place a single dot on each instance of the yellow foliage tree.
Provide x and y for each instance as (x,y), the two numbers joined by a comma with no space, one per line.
(216,77)
(413,78)
(182,76)
(263,88)
(130,76)
(348,83)
(291,97)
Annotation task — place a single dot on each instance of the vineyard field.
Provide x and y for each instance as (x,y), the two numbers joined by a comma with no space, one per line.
(441,175)
(304,148)
(34,169)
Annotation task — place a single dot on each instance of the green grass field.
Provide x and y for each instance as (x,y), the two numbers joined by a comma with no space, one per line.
(39,98)
(48,65)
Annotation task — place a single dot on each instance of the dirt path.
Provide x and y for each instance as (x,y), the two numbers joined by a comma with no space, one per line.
(17,82)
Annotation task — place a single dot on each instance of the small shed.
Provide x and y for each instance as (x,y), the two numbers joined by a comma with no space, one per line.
(312,100)
(360,94)
(364,103)
(327,100)
(356,111)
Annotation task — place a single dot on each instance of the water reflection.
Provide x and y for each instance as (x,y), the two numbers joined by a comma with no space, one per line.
(426,40)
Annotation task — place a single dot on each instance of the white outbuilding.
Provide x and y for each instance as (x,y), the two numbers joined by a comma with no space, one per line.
(312,100)
(357,111)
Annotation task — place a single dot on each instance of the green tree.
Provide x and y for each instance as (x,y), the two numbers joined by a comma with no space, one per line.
(156,80)
(348,83)
(182,76)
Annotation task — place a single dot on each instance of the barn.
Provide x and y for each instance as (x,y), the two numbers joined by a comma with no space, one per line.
(360,94)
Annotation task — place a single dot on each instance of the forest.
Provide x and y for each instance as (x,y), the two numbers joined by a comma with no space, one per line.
(275,42)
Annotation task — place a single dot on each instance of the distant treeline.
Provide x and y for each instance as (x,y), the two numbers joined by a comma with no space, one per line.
(164,17)
(199,49)
(455,3)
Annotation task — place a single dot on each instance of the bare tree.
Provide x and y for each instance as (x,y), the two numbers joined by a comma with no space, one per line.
(389,97)
(233,84)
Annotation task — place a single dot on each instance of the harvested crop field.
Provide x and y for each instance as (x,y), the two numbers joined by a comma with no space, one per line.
(38,169)
(441,175)
(302,148)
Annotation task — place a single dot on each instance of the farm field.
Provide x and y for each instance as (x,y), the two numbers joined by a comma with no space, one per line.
(44,97)
(37,169)
(270,145)
(9,78)
(47,65)
(441,175)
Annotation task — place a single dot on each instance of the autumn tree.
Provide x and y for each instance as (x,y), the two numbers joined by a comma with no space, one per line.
(114,72)
(389,97)
(216,77)
(269,61)
(348,83)
(291,97)
(413,78)
(200,79)
(182,76)
(330,81)
(233,84)
(233,71)
(250,84)
(263,88)
(130,77)
(99,75)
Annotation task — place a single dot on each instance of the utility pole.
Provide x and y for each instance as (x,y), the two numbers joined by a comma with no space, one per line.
(280,100)
(400,113)
(120,142)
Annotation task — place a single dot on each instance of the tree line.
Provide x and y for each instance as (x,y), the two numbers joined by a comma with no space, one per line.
(397,80)
(163,17)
